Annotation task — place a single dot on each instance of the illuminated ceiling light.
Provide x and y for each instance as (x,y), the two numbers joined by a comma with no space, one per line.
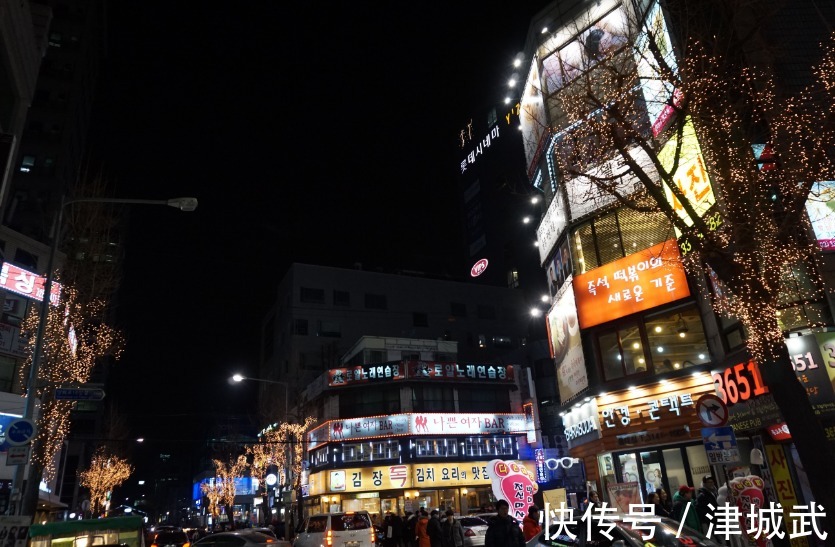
(632,388)
(507,100)
(511,82)
(536,312)
(535,200)
(545,298)
(636,345)
(587,399)
(536,244)
(664,382)
(658,328)
(682,334)
(602,394)
(660,349)
(562,413)
(544,30)
(517,62)
(619,357)
(698,374)
(526,220)
(701,356)
(641,360)
(676,366)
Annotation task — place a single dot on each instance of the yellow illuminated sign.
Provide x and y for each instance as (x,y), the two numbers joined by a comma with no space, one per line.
(397,476)
(690,177)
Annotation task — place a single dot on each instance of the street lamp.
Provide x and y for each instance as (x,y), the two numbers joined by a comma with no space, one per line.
(29,501)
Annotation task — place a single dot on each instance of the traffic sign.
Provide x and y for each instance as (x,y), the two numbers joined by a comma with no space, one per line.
(78,394)
(712,410)
(20,432)
(720,445)
(17,455)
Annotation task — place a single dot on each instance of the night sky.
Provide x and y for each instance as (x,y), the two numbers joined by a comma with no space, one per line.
(323,133)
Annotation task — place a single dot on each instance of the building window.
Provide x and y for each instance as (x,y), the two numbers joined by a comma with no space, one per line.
(433,399)
(312,296)
(27,164)
(433,448)
(330,329)
(458,309)
(420,319)
(368,402)
(489,446)
(300,327)
(319,457)
(485,311)
(341,298)
(617,234)
(8,368)
(658,343)
(483,400)
(375,301)
(371,451)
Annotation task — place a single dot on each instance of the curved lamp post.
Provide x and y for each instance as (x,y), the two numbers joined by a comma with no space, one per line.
(29,501)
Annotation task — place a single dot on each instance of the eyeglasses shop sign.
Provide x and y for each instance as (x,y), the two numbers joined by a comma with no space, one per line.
(582,424)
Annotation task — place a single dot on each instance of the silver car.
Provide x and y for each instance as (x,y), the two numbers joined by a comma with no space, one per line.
(475,530)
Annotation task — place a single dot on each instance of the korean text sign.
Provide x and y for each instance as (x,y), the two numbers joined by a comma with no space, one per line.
(635,283)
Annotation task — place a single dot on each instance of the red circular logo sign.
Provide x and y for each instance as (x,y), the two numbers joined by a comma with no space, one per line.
(478,268)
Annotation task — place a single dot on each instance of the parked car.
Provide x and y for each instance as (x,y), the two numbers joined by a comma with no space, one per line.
(475,529)
(170,537)
(624,534)
(337,530)
(240,538)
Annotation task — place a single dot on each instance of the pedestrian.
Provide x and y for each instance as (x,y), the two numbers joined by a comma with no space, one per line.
(433,528)
(409,532)
(706,500)
(684,509)
(453,532)
(592,501)
(397,527)
(666,503)
(421,535)
(530,524)
(503,531)
(658,508)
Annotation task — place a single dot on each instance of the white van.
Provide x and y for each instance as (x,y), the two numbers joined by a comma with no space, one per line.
(337,530)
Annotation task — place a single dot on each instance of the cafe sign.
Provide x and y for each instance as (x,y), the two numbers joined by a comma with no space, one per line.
(638,282)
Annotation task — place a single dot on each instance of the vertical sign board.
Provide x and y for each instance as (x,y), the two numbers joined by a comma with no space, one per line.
(784,487)
(14,530)
(720,445)
(566,345)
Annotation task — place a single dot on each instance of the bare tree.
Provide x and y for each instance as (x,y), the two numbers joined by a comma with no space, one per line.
(623,120)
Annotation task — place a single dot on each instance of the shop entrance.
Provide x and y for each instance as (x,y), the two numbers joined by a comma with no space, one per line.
(667,468)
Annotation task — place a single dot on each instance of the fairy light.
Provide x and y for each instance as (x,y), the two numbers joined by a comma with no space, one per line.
(106,472)
(222,490)
(65,361)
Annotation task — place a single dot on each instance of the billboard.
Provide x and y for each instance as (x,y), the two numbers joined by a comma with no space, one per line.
(551,227)
(821,209)
(532,122)
(586,193)
(602,38)
(691,177)
(23,282)
(566,345)
(657,92)
(635,283)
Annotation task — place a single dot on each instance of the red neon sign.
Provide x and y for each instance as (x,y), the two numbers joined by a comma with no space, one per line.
(478,268)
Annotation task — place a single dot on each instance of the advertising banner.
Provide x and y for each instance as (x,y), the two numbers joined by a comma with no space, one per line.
(821,209)
(635,283)
(657,93)
(551,226)
(432,370)
(566,345)
(691,176)
(623,494)
(514,483)
(394,425)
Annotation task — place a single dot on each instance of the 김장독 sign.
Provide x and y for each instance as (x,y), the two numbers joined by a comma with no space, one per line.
(635,283)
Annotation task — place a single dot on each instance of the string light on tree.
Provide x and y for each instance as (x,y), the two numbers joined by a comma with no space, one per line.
(106,472)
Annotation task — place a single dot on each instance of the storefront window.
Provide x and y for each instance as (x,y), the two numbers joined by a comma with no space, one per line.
(653,473)
(489,446)
(676,340)
(674,465)
(622,352)
(629,467)
(430,448)
(371,451)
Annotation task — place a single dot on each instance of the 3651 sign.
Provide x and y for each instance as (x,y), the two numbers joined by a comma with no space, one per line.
(739,383)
